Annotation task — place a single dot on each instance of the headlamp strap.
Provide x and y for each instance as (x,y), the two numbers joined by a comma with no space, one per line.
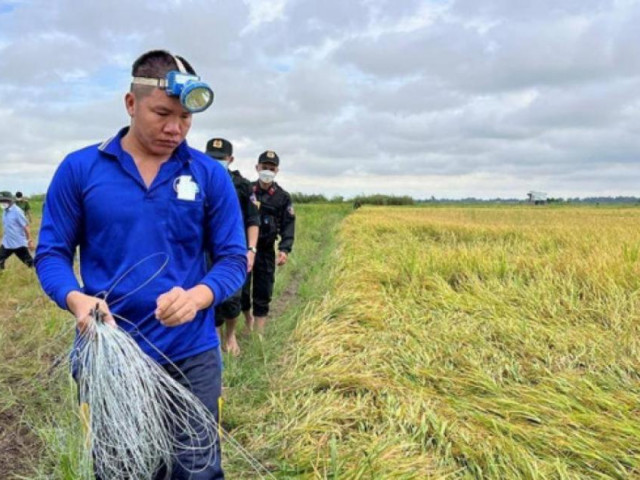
(151,82)
(159,82)
(179,64)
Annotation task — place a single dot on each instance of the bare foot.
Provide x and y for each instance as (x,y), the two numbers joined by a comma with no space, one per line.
(248,324)
(231,345)
(260,324)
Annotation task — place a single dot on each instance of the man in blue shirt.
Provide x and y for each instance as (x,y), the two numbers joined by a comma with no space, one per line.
(131,203)
(16,238)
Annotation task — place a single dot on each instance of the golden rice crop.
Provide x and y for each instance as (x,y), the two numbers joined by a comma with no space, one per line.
(468,343)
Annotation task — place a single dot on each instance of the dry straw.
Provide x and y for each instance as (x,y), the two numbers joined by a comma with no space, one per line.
(472,342)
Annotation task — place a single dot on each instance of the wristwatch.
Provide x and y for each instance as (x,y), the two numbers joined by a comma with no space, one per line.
(253,249)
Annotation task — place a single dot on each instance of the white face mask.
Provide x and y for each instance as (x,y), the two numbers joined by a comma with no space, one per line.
(4,206)
(266,176)
(224,163)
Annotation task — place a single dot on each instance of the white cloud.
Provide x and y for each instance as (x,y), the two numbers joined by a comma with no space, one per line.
(263,11)
(450,98)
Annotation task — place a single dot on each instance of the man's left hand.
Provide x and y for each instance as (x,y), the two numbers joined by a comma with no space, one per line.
(251,258)
(30,245)
(282,258)
(177,306)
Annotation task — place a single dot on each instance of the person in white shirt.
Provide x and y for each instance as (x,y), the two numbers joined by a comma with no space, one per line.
(16,238)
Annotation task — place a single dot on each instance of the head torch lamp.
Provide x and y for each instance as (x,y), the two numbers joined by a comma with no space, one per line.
(194,94)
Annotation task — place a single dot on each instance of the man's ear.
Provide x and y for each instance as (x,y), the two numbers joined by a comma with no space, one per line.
(129,103)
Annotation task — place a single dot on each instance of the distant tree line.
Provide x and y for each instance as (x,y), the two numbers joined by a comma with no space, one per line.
(621,200)
(596,200)
(383,200)
(298,197)
(377,199)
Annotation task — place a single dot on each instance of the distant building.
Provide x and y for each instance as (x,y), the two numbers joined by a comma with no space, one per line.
(537,198)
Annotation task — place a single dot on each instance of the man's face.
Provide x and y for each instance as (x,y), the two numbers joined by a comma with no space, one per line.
(158,121)
(4,205)
(225,161)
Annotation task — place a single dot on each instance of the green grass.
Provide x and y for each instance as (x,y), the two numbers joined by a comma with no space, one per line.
(248,379)
(34,335)
(448,342)
(38,400)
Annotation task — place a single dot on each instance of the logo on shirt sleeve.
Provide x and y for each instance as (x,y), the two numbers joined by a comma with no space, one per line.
(255,200)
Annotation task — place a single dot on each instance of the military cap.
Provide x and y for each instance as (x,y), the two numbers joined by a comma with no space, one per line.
(219,148)
(269,156)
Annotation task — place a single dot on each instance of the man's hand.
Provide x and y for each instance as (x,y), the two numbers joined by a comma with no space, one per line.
(251,258)
(178,306)
(82,305)
(30,245)
(282,258)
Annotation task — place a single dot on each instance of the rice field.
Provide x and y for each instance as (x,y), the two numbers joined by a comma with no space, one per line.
(409,343)
(466,343)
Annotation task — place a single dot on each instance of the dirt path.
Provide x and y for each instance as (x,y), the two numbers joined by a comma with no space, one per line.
(287,297)
(19,445)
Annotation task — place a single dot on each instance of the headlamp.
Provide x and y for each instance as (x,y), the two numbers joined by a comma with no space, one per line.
(194,94)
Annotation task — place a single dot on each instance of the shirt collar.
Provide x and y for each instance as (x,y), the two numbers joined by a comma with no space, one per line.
(272,186)
(113,147)
(257,188)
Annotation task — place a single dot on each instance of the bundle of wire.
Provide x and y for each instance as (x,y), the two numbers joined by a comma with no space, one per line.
(138,420)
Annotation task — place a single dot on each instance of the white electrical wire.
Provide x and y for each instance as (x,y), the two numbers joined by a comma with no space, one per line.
(138,418)
(253,462)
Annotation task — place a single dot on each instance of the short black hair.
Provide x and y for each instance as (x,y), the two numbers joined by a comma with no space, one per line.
(18,194)
(156,64)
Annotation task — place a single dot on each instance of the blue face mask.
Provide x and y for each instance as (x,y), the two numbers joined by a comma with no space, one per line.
(224,163)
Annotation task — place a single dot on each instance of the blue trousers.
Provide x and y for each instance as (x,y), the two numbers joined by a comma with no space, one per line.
(202,375)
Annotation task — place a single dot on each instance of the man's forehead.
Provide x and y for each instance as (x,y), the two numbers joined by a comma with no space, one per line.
(159,99)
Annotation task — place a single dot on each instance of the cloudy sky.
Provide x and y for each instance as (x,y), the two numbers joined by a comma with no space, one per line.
(451,98)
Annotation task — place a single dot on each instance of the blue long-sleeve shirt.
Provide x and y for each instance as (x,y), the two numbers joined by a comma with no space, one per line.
(97,201)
